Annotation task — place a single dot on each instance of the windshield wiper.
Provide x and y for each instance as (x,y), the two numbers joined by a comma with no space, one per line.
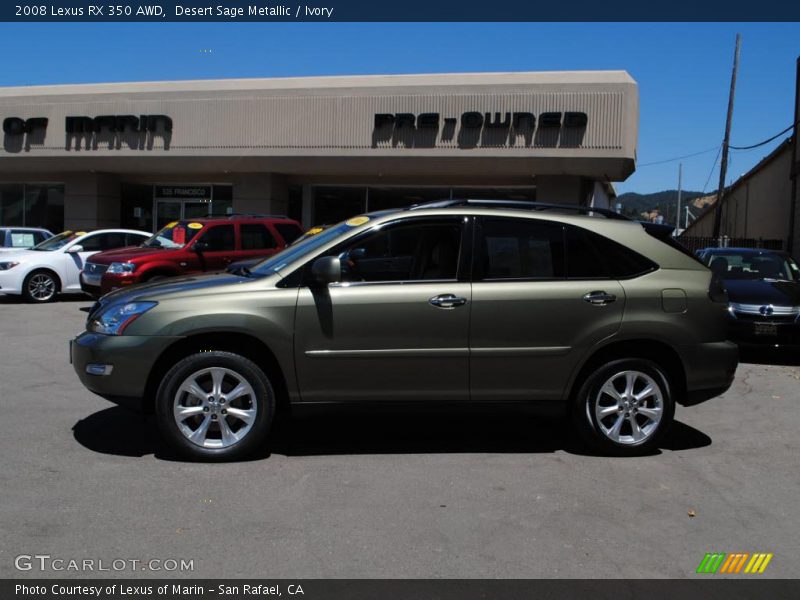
(241,271)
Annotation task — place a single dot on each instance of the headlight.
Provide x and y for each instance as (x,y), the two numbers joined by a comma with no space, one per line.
(116,318)
(5,266)
(121,268)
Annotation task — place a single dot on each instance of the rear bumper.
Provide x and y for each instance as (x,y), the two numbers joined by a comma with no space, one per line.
(710,369)
(131,359)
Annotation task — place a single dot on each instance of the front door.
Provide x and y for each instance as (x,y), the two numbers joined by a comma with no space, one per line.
(397,327)
(532,320)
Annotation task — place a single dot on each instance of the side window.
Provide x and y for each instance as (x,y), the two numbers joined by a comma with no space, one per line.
(134,239)
(103,241)
(256,236)
(519,249)
(288,231)
(593,256)
(416,251)
(220,238)
(22,239)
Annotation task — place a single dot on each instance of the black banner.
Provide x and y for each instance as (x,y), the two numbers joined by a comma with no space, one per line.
(188,11)
(711,588)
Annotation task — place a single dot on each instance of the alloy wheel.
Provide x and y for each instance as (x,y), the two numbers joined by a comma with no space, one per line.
(215,407)
(629,407)
(41,287)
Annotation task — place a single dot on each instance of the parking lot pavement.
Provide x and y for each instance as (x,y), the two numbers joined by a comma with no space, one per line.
(424,494)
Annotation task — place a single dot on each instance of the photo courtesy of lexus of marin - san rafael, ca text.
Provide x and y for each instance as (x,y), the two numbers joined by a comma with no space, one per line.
(341,309)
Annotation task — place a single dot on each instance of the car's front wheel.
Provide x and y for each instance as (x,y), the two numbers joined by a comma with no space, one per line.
(40,286)
(215,406)
(624,407)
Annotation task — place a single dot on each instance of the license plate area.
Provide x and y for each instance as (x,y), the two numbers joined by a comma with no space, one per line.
(765,329)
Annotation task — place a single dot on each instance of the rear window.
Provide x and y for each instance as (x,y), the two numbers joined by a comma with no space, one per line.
(592,256)
(289,232)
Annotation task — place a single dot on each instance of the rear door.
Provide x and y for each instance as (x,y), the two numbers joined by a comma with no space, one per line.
(256,240)
(531,319)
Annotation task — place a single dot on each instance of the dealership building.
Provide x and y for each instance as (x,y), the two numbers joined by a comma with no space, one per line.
(318,149)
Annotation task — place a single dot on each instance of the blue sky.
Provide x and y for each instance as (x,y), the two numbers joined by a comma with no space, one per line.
(683,70)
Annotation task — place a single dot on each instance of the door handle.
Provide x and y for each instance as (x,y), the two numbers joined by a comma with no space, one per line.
(599,298)
(447,301)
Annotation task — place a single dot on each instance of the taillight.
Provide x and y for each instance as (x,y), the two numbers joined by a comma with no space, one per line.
(717,291)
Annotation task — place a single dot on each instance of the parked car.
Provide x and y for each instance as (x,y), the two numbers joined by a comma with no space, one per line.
(456,301)
(21,238)
(241,266)
(764,293)
(54,265)
(190,246)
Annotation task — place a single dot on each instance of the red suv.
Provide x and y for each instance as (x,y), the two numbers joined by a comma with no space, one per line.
(189,246)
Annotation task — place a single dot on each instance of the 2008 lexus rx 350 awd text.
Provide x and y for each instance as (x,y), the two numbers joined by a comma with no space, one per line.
(456,301)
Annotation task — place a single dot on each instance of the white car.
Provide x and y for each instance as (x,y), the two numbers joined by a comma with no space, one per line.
(14,239)
(54,265)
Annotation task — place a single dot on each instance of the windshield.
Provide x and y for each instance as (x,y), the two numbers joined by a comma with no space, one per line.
(753,265)
(58,241)
(174,235)
(305,245)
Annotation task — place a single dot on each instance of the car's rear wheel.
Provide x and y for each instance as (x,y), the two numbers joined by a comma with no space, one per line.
(624,407)
(215,406)
(40,286)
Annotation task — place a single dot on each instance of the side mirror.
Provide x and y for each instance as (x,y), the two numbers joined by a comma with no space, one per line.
(74,249)
(200,247)
(327,269)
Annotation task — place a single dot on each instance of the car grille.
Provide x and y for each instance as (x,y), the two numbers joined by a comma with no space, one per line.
(95,269)
(765,313)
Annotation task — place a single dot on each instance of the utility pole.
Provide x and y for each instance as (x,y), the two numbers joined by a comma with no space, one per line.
(678,212)
(795,171)
(723,166)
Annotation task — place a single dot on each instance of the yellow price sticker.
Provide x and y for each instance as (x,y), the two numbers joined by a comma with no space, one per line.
(170,225)
(80,233)
(195,225)
(356,221)
(314,231)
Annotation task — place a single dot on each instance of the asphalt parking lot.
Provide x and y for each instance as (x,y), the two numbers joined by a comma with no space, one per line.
(489,494)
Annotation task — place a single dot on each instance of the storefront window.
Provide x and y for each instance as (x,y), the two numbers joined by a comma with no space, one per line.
(136,206)
(333,204)
(32,205)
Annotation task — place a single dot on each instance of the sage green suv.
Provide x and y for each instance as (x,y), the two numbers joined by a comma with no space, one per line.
(456,301)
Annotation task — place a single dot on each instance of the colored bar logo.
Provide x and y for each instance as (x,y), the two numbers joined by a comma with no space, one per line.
(734,563)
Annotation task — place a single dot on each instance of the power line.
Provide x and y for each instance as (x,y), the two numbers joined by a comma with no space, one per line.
(774,137)
(668,160)
(711,172)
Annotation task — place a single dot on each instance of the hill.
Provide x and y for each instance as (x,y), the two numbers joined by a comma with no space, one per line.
(658,203)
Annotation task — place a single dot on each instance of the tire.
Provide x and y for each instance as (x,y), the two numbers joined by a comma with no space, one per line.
(628,426)
(40,286)
(209,430)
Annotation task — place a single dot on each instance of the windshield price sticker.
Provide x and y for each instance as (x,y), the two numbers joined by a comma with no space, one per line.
(195,225)
(356,221)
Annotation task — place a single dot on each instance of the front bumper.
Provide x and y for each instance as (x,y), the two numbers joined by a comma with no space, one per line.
(131,357)
(756,333)
(710,368)
(11,280)
(115,281)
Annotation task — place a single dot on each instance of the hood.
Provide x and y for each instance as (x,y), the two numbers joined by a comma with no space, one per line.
(22,255)
(189,285)
(125,254)
(760,291)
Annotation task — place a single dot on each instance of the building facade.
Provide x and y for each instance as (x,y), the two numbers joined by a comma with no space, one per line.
(318,149)
(757,205)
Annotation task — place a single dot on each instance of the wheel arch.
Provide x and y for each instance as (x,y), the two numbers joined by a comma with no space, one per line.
(657,351)
(52,271)
(244,344)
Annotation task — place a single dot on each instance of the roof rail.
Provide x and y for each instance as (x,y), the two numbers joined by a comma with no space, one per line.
(522,205)
(232,215)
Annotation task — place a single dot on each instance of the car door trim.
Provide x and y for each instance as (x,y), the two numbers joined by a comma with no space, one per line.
(521,351)
(390,353)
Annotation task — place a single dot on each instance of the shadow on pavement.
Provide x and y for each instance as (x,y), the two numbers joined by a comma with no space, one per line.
(349,431)
(10,299)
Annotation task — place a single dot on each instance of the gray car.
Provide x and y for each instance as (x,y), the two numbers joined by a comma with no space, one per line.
(456,301)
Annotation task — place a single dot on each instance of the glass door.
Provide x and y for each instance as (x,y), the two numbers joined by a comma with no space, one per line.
(168,211)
